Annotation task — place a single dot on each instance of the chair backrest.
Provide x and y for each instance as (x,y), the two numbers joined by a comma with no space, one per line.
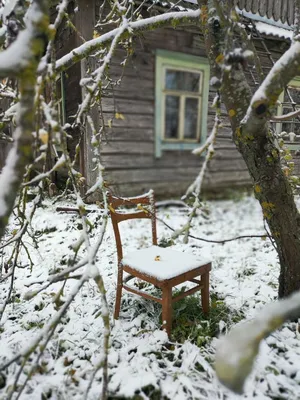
(140,204)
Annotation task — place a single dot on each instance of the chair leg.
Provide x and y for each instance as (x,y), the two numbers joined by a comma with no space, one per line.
(205,293)
(119,292)
(167,309)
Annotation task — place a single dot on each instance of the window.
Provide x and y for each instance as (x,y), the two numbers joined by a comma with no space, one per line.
(291,127)
(182,86)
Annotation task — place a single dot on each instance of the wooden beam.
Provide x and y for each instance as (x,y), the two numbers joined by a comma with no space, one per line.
(187,293)
(142,293)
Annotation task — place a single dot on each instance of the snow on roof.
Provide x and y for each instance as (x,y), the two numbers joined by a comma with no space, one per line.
(268,26)
(271,30)
(265,25)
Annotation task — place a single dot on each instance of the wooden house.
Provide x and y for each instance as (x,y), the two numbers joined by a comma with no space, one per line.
(156,109)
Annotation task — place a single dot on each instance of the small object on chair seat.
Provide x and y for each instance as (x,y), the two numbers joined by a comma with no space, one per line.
(162,263)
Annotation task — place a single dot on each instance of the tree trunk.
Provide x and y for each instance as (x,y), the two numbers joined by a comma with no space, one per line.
(256,143)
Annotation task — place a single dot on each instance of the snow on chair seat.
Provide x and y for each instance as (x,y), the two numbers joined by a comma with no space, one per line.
(164,268)
(162,263)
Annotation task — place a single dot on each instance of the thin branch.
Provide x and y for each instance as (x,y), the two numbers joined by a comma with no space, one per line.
(61,10)
(286,117)
(262,236)
(195,187)
(135,27)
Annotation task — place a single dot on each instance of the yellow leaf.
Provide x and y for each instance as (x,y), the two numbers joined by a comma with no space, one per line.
(96,34)
(231,113)
(140,207)
(14,232)
(111,209)
(286,171)
(267,205)
(220,58)
(257,188)
(44,136)
(119,116)
(109,123)
(157,258)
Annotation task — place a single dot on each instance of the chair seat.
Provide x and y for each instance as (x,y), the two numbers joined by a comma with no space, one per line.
(162,263)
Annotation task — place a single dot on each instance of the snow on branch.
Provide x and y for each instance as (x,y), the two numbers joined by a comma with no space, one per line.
(285,69)
(59,163)
(195,188)
(93,45)
(21,59)
(236,352)
(61,10)
(18,55)
(84,107)
(286,117)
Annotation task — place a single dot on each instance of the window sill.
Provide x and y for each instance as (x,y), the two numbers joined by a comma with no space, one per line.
(176,146)
(292,146)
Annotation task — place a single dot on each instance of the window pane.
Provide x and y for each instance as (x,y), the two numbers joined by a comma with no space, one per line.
(191,118)
(294,93)
(172,117)
(293,124)
(182,80)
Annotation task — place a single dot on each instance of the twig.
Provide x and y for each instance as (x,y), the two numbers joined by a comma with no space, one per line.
(200,238)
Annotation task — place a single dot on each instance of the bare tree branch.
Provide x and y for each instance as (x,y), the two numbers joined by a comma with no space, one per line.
(28,48)
(135,27)
(236,352)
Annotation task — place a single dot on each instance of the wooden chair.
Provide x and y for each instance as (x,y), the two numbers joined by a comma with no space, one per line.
(163,267)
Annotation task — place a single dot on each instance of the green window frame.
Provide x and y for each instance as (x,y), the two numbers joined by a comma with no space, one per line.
(179,62)
(294,83)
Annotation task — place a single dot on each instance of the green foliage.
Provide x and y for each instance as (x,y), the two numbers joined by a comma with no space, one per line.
(189,322)
(33,324)
(166,242)
(45,231)
(236,194)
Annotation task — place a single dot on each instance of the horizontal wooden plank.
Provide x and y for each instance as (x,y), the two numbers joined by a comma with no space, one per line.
(120,133)
(214,166)
(144,106)
(176,189)
(116,70)
(130,120)
(171,175)
(220,161)
(146,146)
(130,134)
(163,191)
(134,83)
(127,106)
(126,92)
(139,59)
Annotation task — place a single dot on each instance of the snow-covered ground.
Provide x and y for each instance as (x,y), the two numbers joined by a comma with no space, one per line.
(244,274)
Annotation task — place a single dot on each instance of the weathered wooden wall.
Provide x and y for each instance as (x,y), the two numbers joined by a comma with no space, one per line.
(128,151)
(128,155)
